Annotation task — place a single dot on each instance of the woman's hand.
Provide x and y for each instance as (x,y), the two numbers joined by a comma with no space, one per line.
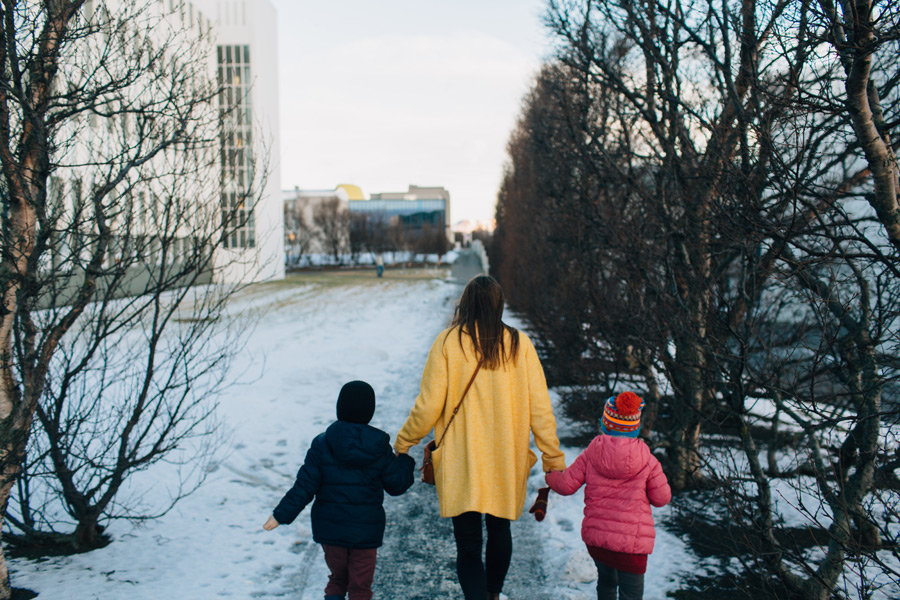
(270,524)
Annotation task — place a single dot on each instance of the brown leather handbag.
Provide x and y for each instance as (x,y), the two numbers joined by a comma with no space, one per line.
(427,464)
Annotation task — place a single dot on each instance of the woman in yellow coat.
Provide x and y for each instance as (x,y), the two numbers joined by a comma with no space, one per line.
(482,465)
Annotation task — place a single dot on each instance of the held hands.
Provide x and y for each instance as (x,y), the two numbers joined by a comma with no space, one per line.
(270,524)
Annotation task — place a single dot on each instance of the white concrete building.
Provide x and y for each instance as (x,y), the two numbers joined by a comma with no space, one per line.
(239,39)
(245,33)
(156,205)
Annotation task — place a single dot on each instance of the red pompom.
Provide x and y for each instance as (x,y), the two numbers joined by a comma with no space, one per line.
(628,403)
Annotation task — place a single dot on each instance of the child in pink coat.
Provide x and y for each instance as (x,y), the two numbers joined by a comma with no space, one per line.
(622,480)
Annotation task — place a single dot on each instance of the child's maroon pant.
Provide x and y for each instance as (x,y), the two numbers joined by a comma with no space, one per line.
(352,571)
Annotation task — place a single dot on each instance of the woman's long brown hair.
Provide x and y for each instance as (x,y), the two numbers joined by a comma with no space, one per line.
(479,314)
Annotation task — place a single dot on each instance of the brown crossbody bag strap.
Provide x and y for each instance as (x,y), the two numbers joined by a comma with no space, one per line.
(456,410)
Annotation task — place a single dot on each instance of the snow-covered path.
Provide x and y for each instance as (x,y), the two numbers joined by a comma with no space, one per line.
(315,337)
(319,331)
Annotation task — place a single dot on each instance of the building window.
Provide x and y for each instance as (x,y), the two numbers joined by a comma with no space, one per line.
(235,155)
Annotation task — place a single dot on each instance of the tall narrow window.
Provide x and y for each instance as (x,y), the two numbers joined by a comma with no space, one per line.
(235,148)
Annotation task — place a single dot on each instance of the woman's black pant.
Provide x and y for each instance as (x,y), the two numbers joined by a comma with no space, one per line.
(477,578)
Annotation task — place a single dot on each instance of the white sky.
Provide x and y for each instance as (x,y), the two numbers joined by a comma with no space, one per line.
(383,94)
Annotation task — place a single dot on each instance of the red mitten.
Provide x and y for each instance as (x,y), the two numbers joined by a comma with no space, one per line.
(539,509)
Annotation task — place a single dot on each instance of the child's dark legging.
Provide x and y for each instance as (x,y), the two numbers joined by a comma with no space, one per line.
(630,585)
(478,578)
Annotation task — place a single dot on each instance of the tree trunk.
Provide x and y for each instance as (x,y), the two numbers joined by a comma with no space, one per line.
(864,107)
(771,454)
(88,533)
(25,164)
(5,588)
(12,454)
(690,395)
(688,472)
(648,419)
(17,405)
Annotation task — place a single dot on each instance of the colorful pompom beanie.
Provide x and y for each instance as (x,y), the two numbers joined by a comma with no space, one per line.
(622,415)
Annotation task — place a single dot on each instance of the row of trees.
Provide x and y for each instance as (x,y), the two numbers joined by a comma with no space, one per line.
(702,198)
(114,208)
(337,232)
(374,234)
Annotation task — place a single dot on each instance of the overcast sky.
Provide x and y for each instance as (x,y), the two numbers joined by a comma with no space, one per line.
(383,94)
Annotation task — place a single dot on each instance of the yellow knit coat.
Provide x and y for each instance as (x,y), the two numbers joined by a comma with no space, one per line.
(485,458)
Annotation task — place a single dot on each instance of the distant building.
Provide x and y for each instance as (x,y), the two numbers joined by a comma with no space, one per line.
(418,209)
(353,191)
(341,221)
(247,68)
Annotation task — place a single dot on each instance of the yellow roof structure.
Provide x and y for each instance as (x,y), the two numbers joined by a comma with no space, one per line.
(354,192)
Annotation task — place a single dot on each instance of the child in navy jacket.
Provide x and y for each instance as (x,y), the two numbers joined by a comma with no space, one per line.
(347,469)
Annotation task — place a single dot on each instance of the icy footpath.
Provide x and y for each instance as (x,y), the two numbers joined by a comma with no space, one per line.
(312,339)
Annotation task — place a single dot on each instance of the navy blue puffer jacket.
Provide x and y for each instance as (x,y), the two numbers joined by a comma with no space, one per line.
(348,468)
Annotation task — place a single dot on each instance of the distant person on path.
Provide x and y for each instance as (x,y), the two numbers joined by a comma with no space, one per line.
(622,479)
(348,468)
(482,465)
(379,264)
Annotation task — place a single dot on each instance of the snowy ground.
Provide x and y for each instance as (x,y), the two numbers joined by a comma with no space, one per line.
(319,332)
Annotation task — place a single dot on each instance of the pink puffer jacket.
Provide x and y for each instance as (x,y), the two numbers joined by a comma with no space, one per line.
(622,480)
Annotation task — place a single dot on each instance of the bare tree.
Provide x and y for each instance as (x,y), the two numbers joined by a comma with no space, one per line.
(430,239)
(362,237)
(115,203)
(685,205)
(370,232)
(333,221)
(299,234)
(699,90)
(824,361)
